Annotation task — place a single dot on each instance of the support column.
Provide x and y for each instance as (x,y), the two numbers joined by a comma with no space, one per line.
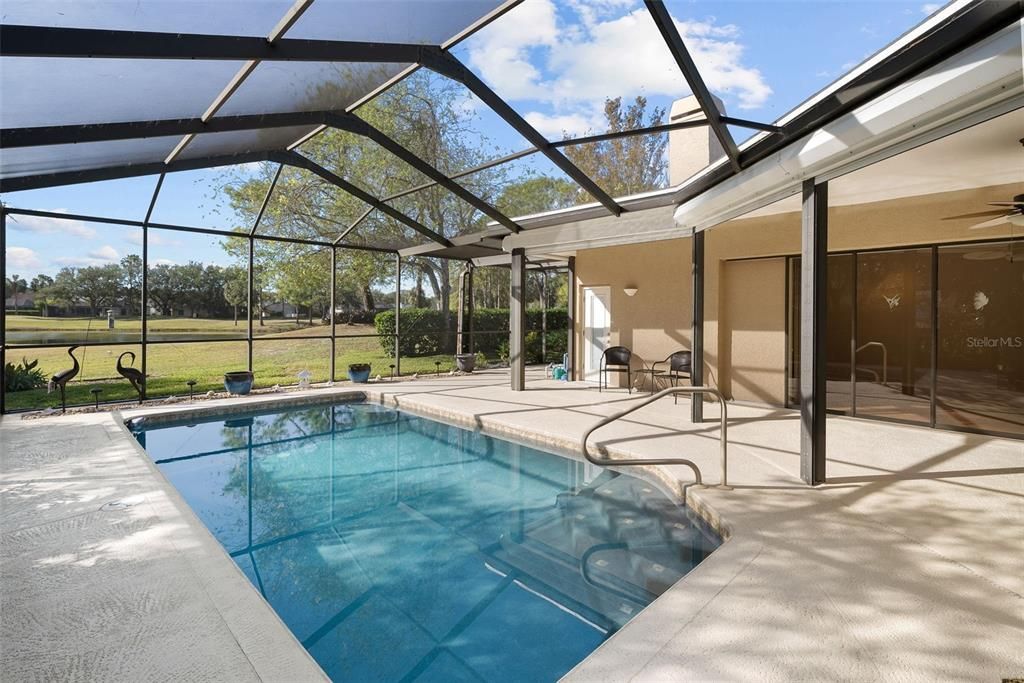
(471,344)
(697,361)
(144,294)
(398,312)
(3,307)
(460,321)
(813,298)
(517,320)
(249,303)
(570,347)
(334,291)
(543,315)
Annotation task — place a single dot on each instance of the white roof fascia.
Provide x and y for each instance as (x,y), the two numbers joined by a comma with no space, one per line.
(986,77)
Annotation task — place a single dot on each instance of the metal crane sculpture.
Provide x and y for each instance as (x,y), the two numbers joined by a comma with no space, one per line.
(135,377)
(63,377)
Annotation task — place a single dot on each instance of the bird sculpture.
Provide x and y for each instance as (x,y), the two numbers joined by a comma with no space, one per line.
(135,377)
(63,377)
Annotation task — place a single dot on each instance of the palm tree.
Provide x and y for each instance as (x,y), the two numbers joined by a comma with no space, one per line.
(13,283)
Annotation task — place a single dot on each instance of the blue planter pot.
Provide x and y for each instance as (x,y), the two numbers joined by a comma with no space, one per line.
(239,382)
(359,376)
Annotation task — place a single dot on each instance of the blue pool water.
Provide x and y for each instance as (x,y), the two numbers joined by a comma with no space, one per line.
(398,548)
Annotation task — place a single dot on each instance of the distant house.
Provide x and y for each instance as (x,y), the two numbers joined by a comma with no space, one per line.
(24,300)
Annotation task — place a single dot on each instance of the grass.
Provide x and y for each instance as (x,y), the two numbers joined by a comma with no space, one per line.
(278,357)
(95,329)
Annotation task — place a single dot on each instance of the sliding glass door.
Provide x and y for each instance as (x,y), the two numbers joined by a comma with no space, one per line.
(931,335)
(980,370)
(893,335)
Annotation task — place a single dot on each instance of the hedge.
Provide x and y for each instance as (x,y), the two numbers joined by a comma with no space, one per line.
(423,332)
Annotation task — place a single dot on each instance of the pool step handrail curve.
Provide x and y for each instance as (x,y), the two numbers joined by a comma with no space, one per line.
(621,462)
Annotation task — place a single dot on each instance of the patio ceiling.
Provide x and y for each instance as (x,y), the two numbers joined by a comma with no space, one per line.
(100,92)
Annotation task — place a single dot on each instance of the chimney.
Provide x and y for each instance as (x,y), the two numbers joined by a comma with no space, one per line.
(691,149)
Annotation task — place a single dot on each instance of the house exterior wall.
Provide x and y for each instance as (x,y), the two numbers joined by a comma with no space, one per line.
(745,307)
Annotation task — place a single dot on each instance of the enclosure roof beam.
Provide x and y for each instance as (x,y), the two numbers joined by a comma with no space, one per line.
(266,200)
(36,136)
(32,182)
(355,224)
(666,25)
(59,41)
(354,124)
(446,64)
(299,161)
(53,135)
(293,14)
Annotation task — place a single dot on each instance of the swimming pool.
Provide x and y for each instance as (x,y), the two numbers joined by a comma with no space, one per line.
(399,548)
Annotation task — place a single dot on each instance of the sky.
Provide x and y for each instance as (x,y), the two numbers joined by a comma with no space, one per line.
(555,62)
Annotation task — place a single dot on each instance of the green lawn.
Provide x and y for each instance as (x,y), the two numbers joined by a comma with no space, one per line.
(277,359)
(95,329)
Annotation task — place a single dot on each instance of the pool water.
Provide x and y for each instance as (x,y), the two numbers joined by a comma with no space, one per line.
(397,548)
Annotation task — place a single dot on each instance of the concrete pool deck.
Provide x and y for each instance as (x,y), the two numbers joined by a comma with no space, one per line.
(905,566)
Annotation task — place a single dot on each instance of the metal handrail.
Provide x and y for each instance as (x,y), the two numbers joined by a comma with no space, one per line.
(612,462)
(885,359)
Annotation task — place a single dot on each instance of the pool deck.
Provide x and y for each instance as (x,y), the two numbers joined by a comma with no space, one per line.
(905,566)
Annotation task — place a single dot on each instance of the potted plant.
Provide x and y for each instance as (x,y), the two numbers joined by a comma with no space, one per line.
(465,362)
(359,372)
(238,382)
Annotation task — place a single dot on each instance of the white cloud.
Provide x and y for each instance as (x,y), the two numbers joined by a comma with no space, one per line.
(22,258)
(554,127)
(97,257)
(930,8)
(163,262)
(45,225)
(155,239)
(105,253)
(531,54)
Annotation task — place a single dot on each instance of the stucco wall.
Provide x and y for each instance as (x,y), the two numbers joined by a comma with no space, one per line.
(754,337)
(657,320)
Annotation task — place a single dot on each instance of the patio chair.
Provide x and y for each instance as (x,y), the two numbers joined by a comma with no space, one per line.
(680,366)
(615,359)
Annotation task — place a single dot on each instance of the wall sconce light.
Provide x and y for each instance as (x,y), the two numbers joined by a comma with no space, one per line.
(630,291)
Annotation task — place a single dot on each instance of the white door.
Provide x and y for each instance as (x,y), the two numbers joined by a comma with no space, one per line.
(597,318)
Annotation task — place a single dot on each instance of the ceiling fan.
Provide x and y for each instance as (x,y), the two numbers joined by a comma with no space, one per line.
(1011,212)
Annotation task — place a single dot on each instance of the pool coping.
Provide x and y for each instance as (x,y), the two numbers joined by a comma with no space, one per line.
(236,582)
(253,622)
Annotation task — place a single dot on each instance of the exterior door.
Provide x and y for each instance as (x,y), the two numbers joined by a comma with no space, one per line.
(597,318)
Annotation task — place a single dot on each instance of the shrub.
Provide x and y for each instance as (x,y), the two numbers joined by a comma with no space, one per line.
(423,332)
(23,376)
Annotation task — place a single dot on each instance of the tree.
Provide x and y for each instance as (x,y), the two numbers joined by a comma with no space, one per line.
(626,165)
(235,289)
(98,286)
(64,289)
(131,280)
(537,194)
(41,286)
(422,113)
(40,282)
(165,287)
(306,280)
(14,283)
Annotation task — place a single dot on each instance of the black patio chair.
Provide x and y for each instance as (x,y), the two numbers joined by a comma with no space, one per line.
(680,366)
(615,359)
